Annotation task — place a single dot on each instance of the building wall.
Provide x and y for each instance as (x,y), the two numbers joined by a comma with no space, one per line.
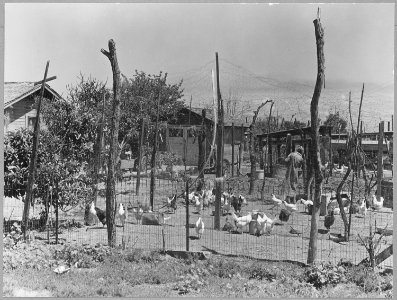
(19,114)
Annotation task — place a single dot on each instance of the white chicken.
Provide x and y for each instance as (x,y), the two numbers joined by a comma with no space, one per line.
(264,225)
(289,206)
(197,203)
(377,205)
(276,202)
(199,228)
(122,213)
(243,198)
(241,222)
(363,208)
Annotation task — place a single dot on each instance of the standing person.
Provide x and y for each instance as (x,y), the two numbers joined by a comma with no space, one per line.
(294,161)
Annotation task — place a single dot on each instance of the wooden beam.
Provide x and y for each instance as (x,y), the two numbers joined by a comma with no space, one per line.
(46,80)
(33,159)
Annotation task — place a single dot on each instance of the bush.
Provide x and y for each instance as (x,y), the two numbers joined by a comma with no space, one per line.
(365,277)
(325,274)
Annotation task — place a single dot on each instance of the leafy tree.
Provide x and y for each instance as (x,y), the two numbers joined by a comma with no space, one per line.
(67,177)
(337,122)
(139,101)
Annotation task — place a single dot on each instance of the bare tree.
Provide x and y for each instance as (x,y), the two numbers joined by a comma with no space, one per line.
(251,147)
(114,133)
(315,157)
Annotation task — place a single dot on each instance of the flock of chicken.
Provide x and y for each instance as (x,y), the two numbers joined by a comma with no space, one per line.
(262,223)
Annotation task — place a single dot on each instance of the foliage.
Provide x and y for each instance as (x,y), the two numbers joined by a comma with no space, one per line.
(338,123)
(65,178)
(325,274)
(139,98)
(195,279)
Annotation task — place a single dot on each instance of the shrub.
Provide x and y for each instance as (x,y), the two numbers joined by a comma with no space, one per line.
(324,274)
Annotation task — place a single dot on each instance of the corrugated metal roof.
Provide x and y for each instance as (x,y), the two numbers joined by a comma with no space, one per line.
(15,91)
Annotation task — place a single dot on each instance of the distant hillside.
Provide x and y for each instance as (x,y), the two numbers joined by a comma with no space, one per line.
(245,91)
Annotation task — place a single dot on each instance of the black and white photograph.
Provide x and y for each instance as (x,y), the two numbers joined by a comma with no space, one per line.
(232,150)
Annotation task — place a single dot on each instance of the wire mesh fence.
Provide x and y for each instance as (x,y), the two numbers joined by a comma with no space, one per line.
(288,240)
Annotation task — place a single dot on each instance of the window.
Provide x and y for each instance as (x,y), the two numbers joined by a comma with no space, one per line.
(175,132)
(31,122)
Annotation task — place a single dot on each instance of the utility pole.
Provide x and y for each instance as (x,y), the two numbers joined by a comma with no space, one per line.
(219,151)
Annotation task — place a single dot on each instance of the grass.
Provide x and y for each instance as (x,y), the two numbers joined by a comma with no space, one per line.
(142,273)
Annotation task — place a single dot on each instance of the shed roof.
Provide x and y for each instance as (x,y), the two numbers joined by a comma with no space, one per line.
(228,120)
(306,130)
(16,91)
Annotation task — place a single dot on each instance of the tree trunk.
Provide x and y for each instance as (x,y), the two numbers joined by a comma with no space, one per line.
(201,152)
(316,159)
(114,133)
(267,145)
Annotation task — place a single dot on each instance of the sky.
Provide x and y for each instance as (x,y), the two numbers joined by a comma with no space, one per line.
(275,41)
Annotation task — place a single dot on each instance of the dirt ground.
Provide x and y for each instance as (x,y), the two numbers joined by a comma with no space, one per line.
(279,245)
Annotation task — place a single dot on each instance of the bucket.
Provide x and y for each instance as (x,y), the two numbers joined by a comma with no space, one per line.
(260,174)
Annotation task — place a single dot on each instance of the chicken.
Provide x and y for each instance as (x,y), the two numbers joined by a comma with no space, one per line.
(289,206)
(241,222)
(101,215)
(190,196)
(306,203)
(342,170)
(377,205)
(197,203)
(243,199)
(336,238)
(236,203)
(138,214)
(229,226)
(122,213)
(171,203)
(199,227)
(264,225)
(276,201)
(329,220)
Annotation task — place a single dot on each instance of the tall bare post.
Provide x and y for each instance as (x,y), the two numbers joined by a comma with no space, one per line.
(33,159)
(251,147)
(219,152)
(153,161)
(240,150)
(232,149)
(139,158)
(380,159)
(114,133)
(316,159)
(267,145)
(201,150)
(187,214)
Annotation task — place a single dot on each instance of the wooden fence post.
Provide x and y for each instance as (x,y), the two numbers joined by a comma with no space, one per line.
(114,133)
(33,159)
(139,158)
(380,159)
(232,149)
(219,148)
(319,32)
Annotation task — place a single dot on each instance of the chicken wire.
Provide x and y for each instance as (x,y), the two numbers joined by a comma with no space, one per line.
(280,244)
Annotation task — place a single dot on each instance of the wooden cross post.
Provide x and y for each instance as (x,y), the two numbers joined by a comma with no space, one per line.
(33,159)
